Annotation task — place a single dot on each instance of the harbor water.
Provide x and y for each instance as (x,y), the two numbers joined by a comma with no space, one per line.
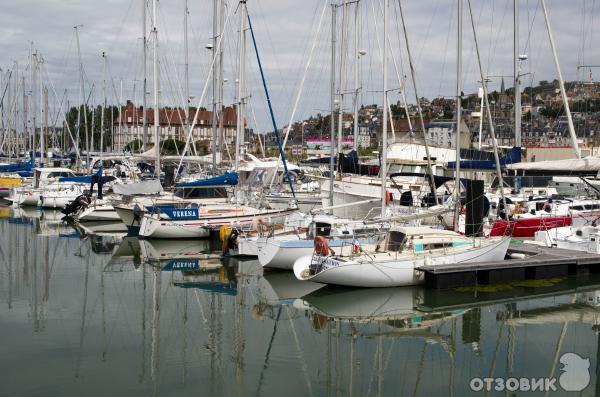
(99,314)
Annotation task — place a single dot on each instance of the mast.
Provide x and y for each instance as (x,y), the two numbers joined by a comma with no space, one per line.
(384,142)
(43,118)
(32,101)
(563,93)
(215,81)
(103,104)
(144,77)
(342,80)
(331,120)
(82,98)
(356,77)
(458,114)
(221,139)
(242,66)
(517,86)
(187,70)
(155,77)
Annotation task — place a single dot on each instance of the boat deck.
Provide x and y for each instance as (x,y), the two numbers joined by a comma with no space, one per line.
(540,262)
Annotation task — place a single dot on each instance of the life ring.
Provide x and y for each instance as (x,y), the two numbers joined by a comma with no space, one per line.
(355,248)
(321,247)
(388,197)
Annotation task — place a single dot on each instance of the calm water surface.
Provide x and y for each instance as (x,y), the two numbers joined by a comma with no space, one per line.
(98,315)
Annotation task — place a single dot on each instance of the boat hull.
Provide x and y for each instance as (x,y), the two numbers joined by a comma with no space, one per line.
(393,271)
(99,213)
(282,254)
(152,225)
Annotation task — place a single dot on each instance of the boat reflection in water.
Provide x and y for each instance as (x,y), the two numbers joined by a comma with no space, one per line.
(181,320)
(191,263)
(395,307)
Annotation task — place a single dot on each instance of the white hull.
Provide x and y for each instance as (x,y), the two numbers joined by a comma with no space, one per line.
(153,225)
(391,270)
(104,212)
(25,198)
(246,247)
(58,199)
(282,253)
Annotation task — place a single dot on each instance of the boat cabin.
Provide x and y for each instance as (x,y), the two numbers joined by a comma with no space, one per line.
(420,239)
(43,176)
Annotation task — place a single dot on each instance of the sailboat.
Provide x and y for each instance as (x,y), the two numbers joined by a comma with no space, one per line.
(404,251)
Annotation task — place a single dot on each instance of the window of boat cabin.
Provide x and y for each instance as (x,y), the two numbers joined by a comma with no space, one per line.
(202,193)
(59,174)
(322,229)
(396,241)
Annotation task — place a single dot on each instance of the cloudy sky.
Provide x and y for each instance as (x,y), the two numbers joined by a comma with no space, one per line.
(285,32)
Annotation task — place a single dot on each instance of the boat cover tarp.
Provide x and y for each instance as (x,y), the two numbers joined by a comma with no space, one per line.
(512,157)
(80,179)
(585,166)
(27,166)
(229,179)
(150,186)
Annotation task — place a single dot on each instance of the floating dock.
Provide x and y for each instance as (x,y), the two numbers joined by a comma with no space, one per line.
(539,263)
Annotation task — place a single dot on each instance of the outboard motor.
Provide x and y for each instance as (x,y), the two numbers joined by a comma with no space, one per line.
(80,202)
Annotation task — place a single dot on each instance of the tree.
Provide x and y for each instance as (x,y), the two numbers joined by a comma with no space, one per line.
(135,146)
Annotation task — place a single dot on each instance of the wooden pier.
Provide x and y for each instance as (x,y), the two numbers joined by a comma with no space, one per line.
(539,263)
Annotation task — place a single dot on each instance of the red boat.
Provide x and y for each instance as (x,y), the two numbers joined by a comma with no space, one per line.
(526,227)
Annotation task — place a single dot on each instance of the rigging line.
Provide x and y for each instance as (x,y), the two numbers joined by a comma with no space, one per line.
(300,90)
(277,137)
(206,83)
(121,26)
(537,6)
(494,52)
(66,123)
(277,61)
(443,74)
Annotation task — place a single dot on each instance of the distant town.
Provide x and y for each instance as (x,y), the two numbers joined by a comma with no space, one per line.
(544,123)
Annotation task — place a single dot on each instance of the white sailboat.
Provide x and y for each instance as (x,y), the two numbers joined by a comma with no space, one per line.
(194,221)
(405,250)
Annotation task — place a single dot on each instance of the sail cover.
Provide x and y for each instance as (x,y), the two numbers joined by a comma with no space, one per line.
(585,166)
(151,186)
(229,178)
(16,167)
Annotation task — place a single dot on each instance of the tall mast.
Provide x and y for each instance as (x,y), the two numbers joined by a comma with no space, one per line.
(40,60)
(517,86)
(187,71)
(155,77)
(384,142)
(342,79)
(32,101)
(241,83)
(82,98)
(220,135)
(103,105)
(144,77)
(562,83)
(458,113)
(44,121)
(215,77)
(356,82)
(332,118)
